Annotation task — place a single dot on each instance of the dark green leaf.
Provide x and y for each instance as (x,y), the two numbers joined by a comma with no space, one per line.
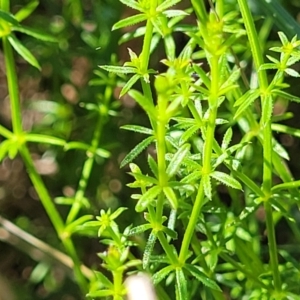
(8,18)
(136,151)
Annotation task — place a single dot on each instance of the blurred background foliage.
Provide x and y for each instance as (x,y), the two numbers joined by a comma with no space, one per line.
(54,102)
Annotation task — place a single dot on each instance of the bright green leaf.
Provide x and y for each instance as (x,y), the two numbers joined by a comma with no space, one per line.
(267,110)
(129,84)
(207,186)
(132,20)
(147,198)
(144,102)
(202,277)
(39,35)
(177,159)
(136,151)
(139,229)
(227,138)
(181,285)
(23,51)
(26,10)
(166,4)
(119,69)
(245,101)
(149,249)
(161,274)
(153,165)
(226,179)
(171,196)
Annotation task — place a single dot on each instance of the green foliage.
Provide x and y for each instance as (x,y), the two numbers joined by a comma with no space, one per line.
(207,204)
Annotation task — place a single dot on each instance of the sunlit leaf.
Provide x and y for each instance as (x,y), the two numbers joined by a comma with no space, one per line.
(267,110)
(177,160)
(181,285)
(137,128)
(132,20)
(149,249)
(166,4)
(136,151)
(119,69)
(245,101)
(161,274)
(23,51)
(147,198)
(226,179)
(171,196)
(227,138)
(139,229)
(129,84)
(36,34)
(26,10)
(207,186)
(144,102)
(201,277)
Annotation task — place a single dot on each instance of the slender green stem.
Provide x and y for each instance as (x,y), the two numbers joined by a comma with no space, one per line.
(267,140)
(200,10)
(208,146)
(12,82)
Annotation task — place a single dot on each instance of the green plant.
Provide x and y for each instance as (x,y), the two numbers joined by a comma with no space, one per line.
(207,248)
(214,191)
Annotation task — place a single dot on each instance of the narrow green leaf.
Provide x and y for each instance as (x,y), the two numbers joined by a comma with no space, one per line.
(101,293)
(286,95)
(72,227)
(170,232)
(189,133)
(132,4)
(23,51)
(171,13)
(181,285)
(8,18)
(286,186)
(144,178)
(166,4)
(226,179)
(227,138)
(280,150)
(177,160)
(286,129)
(292,72)
(202,277)
(207,186)
(44,139)
(144,102)
(161,274)
(147,198)
(139,229)
(132,20)
(137,128)
(101,278)
(245,101)
(4,147)
(284,40)
(231,80)
(39,35)
(149,249)
(171,196)
(136,151)
(129,84)
(118,69)
(192,177)
(153,165)
(267,110)
(118,212)
(26,10)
